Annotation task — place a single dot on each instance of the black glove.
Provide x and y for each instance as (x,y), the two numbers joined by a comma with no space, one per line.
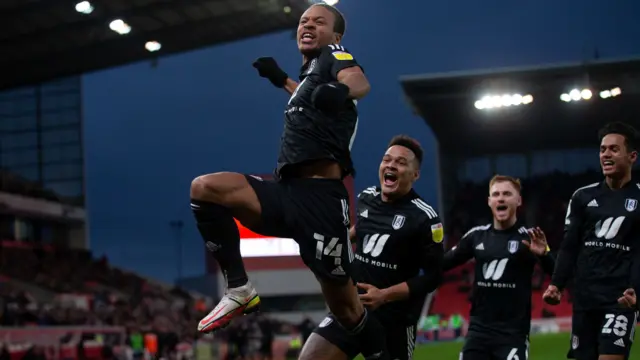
(330,97)
(268,68)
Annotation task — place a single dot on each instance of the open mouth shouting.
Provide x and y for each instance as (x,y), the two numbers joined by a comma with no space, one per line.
(307,38)
(390,179)
(502,210)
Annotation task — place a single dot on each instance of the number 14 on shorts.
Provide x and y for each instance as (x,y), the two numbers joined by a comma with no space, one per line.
(332,248)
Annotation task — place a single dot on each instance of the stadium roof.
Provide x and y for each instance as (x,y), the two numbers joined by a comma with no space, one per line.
(446,103)
(46,39)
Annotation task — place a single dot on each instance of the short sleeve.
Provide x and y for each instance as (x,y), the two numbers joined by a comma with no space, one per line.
(337,59)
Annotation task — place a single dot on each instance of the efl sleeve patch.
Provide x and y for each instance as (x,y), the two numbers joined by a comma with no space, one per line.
(437,232)
(341,55)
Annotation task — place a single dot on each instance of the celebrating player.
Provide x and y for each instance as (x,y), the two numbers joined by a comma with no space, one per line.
(397,234)
(309,202)
(600,243)
(506,254)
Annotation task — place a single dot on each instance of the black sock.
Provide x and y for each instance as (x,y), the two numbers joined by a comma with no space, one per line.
(221,236)
(370,335)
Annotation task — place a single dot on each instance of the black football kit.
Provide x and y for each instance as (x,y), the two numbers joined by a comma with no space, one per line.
(394,241)
(314,212)
(600,248)
(500,319)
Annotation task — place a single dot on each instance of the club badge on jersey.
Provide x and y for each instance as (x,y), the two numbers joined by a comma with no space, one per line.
(630,204)
(397,222)
(513,246)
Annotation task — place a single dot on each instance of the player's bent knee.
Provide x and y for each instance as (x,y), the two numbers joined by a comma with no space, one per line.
(217,187)
(318,348)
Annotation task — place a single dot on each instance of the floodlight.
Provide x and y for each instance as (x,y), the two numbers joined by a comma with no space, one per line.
(286,9)
(605,94)
(84,7)
(152,46)
(331,2)
(120,27)
(504,100)
(577,95)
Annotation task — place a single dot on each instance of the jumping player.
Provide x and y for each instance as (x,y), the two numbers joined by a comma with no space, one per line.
(506,253)
(397,234)
(309,201)
(601,244)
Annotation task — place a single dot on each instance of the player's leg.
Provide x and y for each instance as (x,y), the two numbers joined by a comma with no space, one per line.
(585,330)
(322,228)
(215,200)
(515,351)
(475,349)
(617,334)
(401,340)
(329,341)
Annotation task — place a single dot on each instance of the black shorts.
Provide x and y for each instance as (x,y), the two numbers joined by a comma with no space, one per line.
(315,213)
(602,332)
(483,349)
(401,339)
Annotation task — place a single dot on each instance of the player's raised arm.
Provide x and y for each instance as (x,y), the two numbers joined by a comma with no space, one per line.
(354,78)
(539,247)
(568,253)
(460,253)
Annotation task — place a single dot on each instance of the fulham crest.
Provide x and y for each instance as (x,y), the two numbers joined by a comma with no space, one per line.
(630,204)
(513,246)
(398,221)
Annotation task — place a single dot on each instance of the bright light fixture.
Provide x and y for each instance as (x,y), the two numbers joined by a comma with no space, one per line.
(152,46)
(504,100)
(120,27)
(605,94)
(576,95)
(84,7)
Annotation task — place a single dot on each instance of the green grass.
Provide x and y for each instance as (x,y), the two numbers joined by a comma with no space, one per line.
(543,347)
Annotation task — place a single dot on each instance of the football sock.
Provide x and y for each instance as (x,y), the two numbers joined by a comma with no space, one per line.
(222,238)
(370,335)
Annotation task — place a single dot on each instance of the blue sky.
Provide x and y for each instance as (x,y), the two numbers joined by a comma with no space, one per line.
(149,131)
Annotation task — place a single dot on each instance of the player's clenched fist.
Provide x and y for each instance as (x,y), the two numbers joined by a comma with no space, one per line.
(628,299)
(552,295)
(268,68)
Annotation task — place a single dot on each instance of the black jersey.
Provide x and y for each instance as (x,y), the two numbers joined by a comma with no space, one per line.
(395,241)
(501,301)
(310,134)
(602,234)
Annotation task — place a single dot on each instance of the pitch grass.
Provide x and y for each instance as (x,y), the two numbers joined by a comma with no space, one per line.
(543,347)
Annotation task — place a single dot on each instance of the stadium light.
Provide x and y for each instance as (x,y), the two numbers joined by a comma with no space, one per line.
(287,9)
(605,94)
(576,95)
(120,27)
(506,100)
(84,7)
(331,2)
(152,46)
